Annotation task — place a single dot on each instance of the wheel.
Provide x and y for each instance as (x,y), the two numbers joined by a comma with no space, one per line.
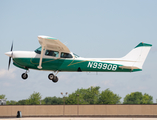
(55,79)
(24,76)
(51,76)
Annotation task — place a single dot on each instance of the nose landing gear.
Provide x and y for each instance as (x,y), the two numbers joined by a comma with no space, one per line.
(25,75)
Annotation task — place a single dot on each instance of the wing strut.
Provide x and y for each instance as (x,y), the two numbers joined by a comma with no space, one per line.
(41,57)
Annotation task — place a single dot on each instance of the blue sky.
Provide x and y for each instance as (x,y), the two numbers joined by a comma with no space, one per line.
(89,28)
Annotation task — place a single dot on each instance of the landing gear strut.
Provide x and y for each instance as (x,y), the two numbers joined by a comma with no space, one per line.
(25,75)
(53,77)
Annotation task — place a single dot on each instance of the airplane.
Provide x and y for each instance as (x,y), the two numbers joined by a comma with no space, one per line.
(53,55)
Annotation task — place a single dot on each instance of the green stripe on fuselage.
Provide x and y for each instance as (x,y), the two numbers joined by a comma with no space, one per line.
(70,65)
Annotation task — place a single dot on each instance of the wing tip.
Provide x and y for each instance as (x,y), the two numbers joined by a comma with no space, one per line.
(46,37)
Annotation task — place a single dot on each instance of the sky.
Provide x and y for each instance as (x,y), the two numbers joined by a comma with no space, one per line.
(89,28)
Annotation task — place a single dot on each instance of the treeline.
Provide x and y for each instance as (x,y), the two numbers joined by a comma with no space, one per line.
(91,95)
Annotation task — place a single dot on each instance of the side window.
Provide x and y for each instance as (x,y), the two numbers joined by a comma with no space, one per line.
(52,53)
(66,55)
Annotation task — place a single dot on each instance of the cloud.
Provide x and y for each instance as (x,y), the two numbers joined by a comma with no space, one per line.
(146,77)
(108,83)
(6,84)
(143,77)
(7,74)
(141,88)
(137,88)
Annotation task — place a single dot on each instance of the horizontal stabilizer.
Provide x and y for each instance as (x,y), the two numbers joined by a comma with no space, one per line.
(128,67)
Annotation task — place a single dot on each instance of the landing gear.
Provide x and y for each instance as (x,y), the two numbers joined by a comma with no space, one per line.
(53,77)
(25,75)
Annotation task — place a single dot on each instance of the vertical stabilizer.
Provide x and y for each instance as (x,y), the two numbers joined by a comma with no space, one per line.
(138,54)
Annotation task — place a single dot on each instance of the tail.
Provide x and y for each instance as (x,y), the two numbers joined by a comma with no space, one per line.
(138,55)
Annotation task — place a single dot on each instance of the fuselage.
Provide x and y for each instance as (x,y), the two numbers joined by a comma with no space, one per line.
(30,60)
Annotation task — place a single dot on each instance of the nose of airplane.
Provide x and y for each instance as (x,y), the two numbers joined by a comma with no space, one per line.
(8,54)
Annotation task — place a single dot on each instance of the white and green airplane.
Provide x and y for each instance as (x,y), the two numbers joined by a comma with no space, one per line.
(53,55)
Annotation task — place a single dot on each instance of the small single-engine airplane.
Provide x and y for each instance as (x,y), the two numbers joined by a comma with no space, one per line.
(53,55)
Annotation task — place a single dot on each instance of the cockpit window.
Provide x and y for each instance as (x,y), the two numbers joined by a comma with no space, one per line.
(38,50)
(76,56)
(52,53)
(66,55)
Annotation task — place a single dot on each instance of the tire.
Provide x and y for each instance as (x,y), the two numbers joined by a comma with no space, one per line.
(51,76)
(55,79)
(24,76)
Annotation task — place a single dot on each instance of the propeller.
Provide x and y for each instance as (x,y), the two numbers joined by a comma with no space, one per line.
(10,56)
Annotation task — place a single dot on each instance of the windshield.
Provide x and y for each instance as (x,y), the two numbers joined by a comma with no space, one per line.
(38,50)
(76,56)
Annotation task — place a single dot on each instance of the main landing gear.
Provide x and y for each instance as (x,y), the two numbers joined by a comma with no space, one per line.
(51,76)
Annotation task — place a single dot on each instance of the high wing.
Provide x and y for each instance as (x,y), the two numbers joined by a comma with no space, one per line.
(51,43)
